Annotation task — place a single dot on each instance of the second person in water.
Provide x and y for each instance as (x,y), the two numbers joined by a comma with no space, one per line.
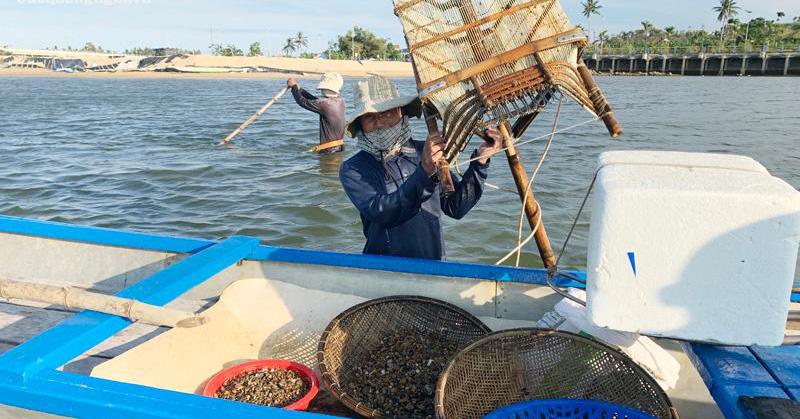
(331,110)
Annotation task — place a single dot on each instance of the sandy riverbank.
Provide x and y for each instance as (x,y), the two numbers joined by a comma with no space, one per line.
(206,66)
(29,72)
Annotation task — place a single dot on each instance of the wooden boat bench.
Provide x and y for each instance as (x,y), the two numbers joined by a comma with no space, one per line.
(731,372)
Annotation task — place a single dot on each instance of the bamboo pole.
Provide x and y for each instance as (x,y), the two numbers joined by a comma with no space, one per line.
(532,211)
(254,117)
(599,100)
(447,187)
(72,297)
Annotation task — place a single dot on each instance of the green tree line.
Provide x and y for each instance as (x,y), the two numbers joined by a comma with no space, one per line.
(733,31)
(363,44)
(357,43)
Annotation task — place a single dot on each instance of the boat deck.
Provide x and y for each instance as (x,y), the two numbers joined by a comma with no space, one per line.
(20,323)
(732,372)
(48,351)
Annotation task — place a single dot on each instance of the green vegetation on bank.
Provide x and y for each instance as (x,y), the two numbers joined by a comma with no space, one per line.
(295,43)
(752,34)
(226,51)
(255,50)
(362,44)
(357,43)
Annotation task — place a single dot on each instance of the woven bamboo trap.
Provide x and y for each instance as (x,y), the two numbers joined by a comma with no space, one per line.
(347,344)
(482,62)
(520,365)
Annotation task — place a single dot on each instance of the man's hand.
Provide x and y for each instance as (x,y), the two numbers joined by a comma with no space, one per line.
(487,150)
(432,153)
(291,83)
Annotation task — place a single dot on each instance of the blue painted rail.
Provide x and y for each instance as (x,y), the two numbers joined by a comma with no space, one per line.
(732,372)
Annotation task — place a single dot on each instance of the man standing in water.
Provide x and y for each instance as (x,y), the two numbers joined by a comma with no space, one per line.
(330,108)
(393,181)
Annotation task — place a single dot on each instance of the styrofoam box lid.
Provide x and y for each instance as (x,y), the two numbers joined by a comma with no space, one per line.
(677,173)
(681,159)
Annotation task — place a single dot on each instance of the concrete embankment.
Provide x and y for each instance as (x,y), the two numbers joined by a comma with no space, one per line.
(744,64)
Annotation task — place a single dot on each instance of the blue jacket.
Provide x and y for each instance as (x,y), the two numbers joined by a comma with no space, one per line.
(400,205)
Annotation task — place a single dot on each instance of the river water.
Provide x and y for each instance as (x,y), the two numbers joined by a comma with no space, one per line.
(140,154)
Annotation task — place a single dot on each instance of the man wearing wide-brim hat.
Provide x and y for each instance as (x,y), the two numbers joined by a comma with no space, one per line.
(393,179)
(330,108)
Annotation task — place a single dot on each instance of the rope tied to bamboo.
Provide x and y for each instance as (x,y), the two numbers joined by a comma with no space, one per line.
(520,243)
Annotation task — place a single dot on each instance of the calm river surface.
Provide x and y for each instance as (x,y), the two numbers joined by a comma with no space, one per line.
(140,154)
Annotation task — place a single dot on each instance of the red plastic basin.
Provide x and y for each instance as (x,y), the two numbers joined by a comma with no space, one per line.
(223,376)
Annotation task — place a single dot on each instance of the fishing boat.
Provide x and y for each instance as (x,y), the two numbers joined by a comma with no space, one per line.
(61,363)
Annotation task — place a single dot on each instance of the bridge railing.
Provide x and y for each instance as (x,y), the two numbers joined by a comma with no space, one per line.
(698,49)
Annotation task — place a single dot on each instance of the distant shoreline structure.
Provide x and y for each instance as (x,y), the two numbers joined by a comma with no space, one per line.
(699,64)
(89,64)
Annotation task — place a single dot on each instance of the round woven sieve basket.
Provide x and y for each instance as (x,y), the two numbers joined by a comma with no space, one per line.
(347,341)
(520,365)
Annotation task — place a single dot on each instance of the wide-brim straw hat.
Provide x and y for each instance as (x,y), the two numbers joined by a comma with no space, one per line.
(378,94)
(332,82)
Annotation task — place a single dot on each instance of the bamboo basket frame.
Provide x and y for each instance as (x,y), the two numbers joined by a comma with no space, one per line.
(480,63)
(483,62)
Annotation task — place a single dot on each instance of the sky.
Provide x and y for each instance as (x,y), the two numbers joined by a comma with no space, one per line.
(194,24)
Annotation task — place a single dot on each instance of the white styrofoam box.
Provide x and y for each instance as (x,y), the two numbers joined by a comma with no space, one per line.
(692,246)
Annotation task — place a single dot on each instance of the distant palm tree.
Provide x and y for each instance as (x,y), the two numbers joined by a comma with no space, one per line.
(300,40)
(290,46)
(781,15)
(647,27)
(602,37)
(591,7)
(726,10)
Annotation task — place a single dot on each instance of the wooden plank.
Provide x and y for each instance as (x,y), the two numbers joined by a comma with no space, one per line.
(86,330)
(783,363)
(731,372)
(20,323)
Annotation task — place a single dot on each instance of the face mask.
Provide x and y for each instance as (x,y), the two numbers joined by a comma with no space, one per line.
(382,143)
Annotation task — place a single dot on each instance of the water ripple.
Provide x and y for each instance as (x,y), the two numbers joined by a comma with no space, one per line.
(142,155)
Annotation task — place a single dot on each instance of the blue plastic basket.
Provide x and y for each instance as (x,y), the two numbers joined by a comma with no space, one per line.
(566,409)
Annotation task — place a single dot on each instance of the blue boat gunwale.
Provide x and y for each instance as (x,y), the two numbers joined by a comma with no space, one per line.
(29,378)
(153,242)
